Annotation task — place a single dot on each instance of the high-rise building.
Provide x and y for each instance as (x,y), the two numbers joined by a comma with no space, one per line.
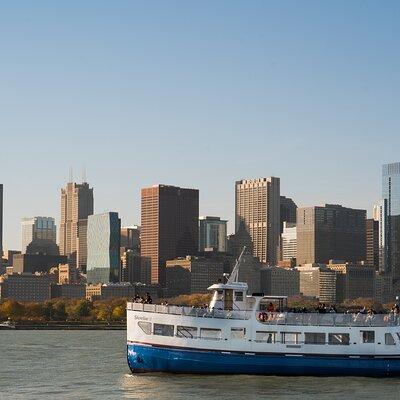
(278,281)
(390,221)
(353,281)
(212,234)
(76,206)
(37,228)
(131,265)
(257,209)
(317,280)
(1,221)
(372,242)
(190,275)
(289,241)
(103,248)
(288,210)
(169,227)
(130,237)
(330,232)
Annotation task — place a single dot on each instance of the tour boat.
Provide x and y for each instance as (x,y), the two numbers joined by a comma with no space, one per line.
(241,334)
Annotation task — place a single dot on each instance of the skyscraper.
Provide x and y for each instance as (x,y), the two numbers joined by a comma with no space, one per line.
(372,242)
(289,241)
(288,211)
(212,234)
(76,206)
(37,228)
(169,227)
(1,221)
(390,220)
(258,210)
(103,248)
(330,232)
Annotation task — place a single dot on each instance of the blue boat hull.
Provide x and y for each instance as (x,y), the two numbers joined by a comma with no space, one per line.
(144,358)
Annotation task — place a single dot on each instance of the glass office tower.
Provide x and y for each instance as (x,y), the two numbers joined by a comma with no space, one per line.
(390,220)
(212,234)
(103,247)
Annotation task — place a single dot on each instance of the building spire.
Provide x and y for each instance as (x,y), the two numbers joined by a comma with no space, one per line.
(71,175)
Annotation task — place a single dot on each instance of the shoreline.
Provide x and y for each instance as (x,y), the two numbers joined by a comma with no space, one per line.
(66,327)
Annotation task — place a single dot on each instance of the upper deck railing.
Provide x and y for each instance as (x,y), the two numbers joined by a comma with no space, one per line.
(275,318)
(190,311)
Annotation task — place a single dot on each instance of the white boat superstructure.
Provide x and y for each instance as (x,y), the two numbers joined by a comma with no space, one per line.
(242,333)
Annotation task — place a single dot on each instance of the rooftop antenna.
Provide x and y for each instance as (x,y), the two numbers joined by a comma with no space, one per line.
(235,272)
(84,174)
(71,174)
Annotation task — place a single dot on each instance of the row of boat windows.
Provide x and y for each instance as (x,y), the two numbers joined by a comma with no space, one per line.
(191,332)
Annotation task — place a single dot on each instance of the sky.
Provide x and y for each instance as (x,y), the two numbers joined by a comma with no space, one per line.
(196,94)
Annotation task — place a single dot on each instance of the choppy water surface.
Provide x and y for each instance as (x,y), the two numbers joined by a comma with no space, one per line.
(89,364)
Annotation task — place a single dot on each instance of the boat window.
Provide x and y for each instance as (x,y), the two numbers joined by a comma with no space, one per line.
(238,296)
(266,336)
(209,333)
(220,295)
(368,336)
(339,338)
(238,333)
(290,337)
(314,338)
(145,327)
(389,339)
(189,332)
(163,330)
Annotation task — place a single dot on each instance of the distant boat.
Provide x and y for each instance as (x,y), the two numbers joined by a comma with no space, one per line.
(254,334)
(7,325)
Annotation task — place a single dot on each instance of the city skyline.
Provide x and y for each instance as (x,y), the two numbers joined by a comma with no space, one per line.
(136,213)
(307,92)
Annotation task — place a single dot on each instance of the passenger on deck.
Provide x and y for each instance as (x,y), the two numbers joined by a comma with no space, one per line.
(270,307)
(148,299)
(136,299)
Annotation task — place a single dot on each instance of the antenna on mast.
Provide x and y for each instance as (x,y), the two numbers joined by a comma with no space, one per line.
(84,174)
(235,272)
(71,175)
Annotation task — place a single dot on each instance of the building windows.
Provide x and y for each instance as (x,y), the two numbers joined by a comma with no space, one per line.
(314,338)
(145,327)
(266,336)
(290,337)
(209,333)
(389,339)
(238,333)
(238,296)
(189,332)
(368,336)
(339,338)
(163,330)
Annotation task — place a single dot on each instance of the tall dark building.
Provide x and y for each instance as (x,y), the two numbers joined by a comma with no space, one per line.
(1,221)
(288,211)
(390,221)
(372,242)
(330,232)
(169,227)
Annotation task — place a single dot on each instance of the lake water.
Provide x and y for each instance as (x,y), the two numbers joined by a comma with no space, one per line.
(92,364)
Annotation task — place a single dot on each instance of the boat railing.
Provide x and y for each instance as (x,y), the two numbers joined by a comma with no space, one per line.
(190,311)
(328,319)
(275,318)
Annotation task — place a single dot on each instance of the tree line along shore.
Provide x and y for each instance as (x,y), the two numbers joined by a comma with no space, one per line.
(112,311)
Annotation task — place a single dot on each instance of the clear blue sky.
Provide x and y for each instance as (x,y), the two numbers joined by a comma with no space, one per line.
(196,94)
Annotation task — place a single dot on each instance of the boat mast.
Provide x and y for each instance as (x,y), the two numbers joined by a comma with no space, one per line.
(235,272)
